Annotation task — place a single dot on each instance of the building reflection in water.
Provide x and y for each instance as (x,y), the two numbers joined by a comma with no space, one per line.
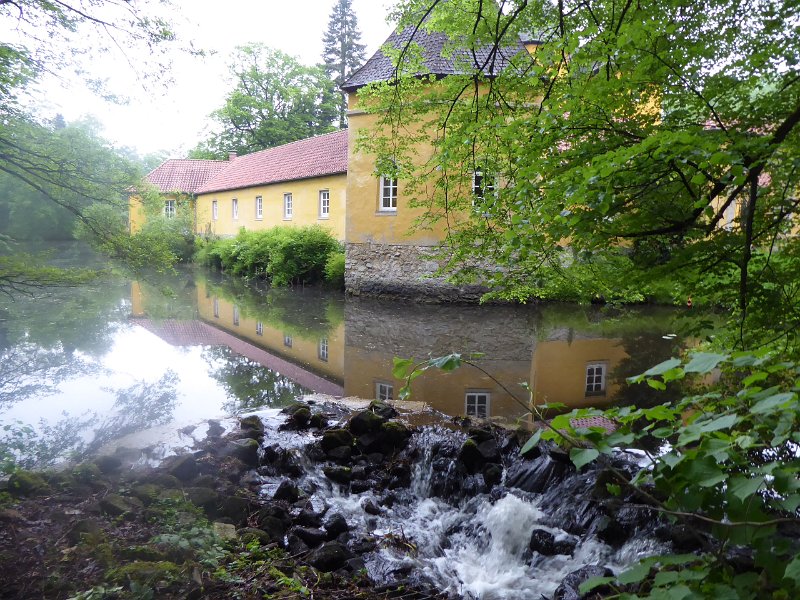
(577,356)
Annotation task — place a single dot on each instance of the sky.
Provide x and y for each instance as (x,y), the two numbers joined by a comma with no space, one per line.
(175,118)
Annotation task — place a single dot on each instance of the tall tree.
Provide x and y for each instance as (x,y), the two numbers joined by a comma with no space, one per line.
(343,52)
(636,140)
(275,100)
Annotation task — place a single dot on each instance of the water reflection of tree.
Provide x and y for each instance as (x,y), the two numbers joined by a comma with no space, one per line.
(644,349)
(285,309)
(249,385)
(136,408)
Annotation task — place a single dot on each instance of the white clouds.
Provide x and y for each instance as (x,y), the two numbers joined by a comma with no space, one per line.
(172,118)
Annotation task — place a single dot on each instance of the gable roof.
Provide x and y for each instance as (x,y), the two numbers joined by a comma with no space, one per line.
(184,175)
(312,157)
(432,45)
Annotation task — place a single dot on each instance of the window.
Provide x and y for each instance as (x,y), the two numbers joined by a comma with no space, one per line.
(388,194)
(259,328)
(595,379)
(216,308)
(324,204)
(384,391)
(236,315)
(287,340)
(214,210)
(483,184)
(322,350)
(476,404)
(235,208)
(259,207)
(169,209)
(287,206)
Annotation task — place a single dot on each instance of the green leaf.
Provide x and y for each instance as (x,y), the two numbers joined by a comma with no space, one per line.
(743,488)
(447,363)
(592,583)
(582,456)
(723,422)
(772,402)
(662,367)
(793,570)
(531,443)
(704,362)
(635,574)
(402,367)
(754,377)
(656,384)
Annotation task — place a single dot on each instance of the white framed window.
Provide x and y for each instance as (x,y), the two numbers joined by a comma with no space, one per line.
(287,340)
(596,379)
(477,403)
(388,191)
(169,209)
(288,207)
(259,328)
(235,208)
(384,391)
(236,316)
(214,210)
(216,308)
(324,204)
(259,207)
(322,349)
(483,184)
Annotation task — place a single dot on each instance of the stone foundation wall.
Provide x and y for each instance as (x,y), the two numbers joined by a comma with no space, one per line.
(401,272)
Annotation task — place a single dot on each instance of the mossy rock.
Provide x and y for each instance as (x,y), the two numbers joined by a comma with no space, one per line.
(116,505)
(108,464)
(164,480)
(245,450)
(85,529)
(294,407)
(333,438)
(365,421)
(394,435)
(252,534)
(382,409)
(142,554)
(202,496)
(26,483)
(147,492)
(340,475)
(319,421)
(150,572)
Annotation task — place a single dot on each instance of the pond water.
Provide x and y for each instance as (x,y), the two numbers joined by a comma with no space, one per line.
(87,367)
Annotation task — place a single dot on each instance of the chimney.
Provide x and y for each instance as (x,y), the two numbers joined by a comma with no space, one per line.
(232,155)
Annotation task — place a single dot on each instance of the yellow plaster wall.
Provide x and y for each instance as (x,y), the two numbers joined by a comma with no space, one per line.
(302,351)
(137,216)
(305,204)
(558,371)
(365,223)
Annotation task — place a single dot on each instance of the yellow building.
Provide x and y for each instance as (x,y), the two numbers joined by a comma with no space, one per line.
(297,184)
(177,181)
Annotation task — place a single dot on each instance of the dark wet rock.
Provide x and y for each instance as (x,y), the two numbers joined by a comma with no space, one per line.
(329,557)
(361,486)
(287,491)
(370,507)
(369,442)
(311,536)
(85,529)
(375,458)
(394,436)
(183,467)
(205,481)
(382,409)
(538,475)
(9,515)
(360,472)
(545,543)
(280,461)
(245,450)
(275,528)
(480,434)
(341,455)
(295,545)
(235,508)
(569,588)
(335,525)
(293,408)
(203,497)
(252,427)
(337,474)
(250,534)
(276,511)
(492,474)
(116,505)
(682,537)
(333,438)
(470,456)
(365,422)
(364,545)
(215,430)
(308,518)
(108,464)
(488,450)
(318,421)
(26,483)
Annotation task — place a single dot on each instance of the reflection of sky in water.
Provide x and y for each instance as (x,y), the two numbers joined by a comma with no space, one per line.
(136,354)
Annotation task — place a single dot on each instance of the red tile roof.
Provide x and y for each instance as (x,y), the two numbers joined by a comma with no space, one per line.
(303,159)
(184,175)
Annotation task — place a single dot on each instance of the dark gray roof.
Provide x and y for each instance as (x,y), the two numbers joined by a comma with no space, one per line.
(432,45)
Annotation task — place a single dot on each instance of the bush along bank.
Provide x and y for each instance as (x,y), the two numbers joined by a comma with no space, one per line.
(282,255)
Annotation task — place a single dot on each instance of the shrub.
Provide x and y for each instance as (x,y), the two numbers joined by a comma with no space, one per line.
(283,255)
(334,269)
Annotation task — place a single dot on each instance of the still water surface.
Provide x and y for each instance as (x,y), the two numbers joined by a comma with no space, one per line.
(82,368)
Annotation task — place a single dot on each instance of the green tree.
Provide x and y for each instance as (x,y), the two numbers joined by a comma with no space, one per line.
(639,143)
(343,51)
(275,100)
